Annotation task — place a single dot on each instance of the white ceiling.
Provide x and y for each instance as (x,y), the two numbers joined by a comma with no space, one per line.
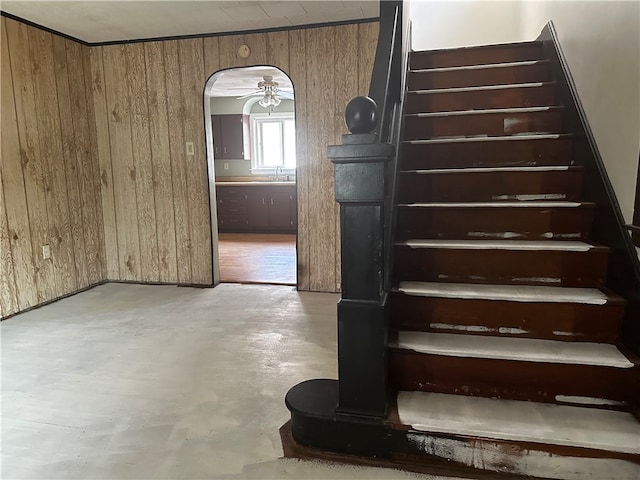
(242,81)
(104,21)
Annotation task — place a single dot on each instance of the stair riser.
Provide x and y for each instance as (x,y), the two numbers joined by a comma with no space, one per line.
(479,77)
(510,379)
(562,185)
(491,124)
(445,101)
(504,267)
(475,223)
(507,153)
(547,321)
(476,56)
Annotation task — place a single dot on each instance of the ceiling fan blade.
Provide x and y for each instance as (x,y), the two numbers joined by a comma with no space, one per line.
(257,92)
(284,94)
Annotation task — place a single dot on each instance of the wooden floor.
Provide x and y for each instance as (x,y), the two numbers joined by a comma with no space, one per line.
(257,258)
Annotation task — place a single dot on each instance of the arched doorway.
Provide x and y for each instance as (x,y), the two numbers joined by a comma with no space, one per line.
(251,156)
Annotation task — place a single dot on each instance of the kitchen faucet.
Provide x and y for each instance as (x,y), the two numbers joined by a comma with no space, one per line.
(279,167)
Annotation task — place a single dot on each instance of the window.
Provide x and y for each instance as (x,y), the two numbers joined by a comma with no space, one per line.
(273,139)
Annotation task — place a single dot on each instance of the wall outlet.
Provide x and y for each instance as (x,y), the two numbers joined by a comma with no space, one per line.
(225,165)
(190,150)
(46,252)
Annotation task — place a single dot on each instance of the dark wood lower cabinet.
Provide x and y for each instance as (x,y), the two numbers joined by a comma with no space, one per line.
(257,208)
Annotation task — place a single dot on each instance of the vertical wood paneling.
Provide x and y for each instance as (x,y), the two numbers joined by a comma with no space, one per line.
(49,131)
(193,78)
(35,171)
(119,107)
(211,51)
(176,112)
(320,133)
(19,276)
(277,50)
(103,147)
(161,160)
(298,74)
(143,168)
(47,180)
(8,297)
(86,163)
(367,42)
(94,181)
(346,83)
(69,148)
(145,102)
(258,44)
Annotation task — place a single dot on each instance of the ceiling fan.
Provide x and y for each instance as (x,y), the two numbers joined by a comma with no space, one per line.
(270,91)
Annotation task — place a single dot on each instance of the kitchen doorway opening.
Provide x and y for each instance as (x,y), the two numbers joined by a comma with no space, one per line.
(251,153)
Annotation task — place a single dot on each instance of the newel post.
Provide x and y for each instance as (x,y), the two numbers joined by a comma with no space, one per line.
(360,166)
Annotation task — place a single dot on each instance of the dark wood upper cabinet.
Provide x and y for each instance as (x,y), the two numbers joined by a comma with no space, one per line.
(229,137)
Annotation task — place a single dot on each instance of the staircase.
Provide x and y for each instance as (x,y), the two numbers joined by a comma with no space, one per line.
(503,343)
(498,349)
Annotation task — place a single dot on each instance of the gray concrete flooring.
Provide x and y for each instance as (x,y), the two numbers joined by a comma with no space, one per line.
(134,381)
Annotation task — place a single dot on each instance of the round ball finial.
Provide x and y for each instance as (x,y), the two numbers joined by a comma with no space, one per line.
(361,115)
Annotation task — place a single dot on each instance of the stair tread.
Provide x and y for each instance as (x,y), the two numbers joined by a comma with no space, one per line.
(480,47)
(541,168)
(532,204)
(510,348)
(485,111)
(480,66)
(481,88)
(529,245)
(514,293)
(520,421)
(486,138)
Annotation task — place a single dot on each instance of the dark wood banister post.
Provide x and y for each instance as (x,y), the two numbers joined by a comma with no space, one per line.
(360,167)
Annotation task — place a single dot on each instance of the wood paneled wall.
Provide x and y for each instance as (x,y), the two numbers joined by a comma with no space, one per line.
(148,101)
(49,172)
(94,161)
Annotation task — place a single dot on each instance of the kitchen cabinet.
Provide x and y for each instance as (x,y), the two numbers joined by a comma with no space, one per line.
(261,207)
(229,137)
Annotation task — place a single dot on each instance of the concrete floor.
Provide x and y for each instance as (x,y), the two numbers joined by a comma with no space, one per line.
(133,381)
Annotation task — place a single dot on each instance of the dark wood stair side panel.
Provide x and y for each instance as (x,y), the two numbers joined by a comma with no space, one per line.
(491,124)
(447,101)
(501,153)
(503,53)
(427,80)
(489,186)
(511,379)
(501,267)
(546,321)
(474,223)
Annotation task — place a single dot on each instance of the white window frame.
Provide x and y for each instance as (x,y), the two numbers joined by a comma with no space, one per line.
(257,167)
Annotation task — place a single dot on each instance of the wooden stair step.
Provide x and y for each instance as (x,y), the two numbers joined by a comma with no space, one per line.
(495,220)
(543,262)
(513,368)
(466,437)
(562,425)
(513,150)
(476,75)
(512,293)
(484,54)
(542,318)
(516,349)
(496,122)
(533,439)
(540,94)
(490,184)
